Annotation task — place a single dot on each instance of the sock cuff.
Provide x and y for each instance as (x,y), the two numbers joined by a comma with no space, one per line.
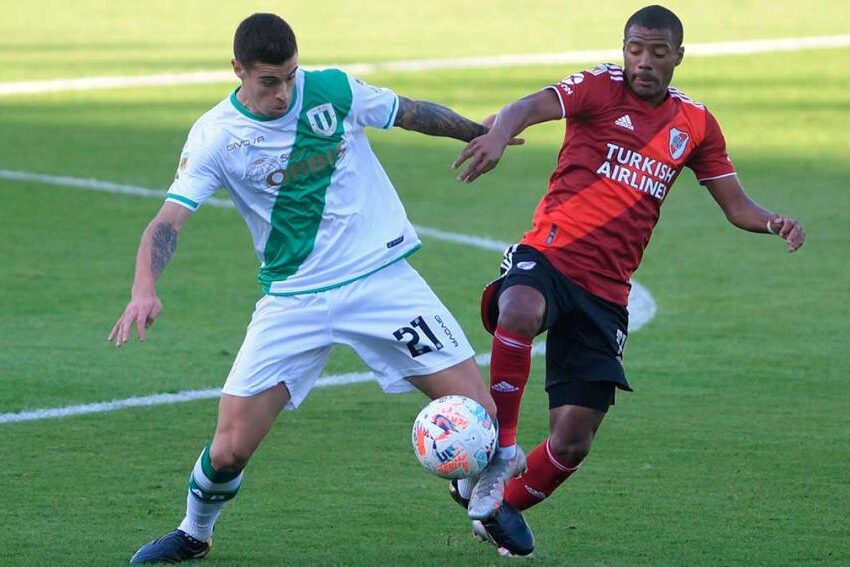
(511,340)
(207,494)
(214,475)
(558,463)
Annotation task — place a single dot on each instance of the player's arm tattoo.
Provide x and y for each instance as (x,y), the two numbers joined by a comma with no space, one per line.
(163,244)
(435,120)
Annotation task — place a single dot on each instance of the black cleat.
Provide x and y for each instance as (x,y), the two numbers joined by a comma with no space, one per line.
(455,494)
(173,547)
(509,530)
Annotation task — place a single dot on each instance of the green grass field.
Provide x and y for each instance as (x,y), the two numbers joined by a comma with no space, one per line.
(733,449)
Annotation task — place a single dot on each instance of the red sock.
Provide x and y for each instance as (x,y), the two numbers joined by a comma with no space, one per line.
(545,473)
(510,364)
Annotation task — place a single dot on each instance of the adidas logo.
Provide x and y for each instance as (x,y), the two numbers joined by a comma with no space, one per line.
(504,387)
(625,122)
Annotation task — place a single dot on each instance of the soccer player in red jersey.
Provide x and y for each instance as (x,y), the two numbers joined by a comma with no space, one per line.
(629,135)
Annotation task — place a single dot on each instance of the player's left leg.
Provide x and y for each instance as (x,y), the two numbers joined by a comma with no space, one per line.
(401,329)
(583,372)
(572,430)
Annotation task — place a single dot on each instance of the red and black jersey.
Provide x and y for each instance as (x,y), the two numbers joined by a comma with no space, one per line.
(619,158)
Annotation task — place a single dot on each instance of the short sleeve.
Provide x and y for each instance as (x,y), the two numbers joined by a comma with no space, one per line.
(586,93)
(372,106)
(197,176)
(710,159)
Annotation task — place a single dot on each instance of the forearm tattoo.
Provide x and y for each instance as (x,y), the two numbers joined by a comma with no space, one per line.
(164,244)
(435,120)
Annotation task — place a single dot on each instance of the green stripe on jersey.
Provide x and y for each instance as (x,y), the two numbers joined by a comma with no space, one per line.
(182,199)
(300,200)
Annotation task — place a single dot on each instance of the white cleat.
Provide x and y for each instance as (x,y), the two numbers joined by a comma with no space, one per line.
(488,493)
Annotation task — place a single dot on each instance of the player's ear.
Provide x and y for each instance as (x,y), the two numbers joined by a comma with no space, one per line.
(680,54)
(238,68)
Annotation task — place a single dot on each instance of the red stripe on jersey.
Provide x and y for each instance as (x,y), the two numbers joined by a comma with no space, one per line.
(619,158)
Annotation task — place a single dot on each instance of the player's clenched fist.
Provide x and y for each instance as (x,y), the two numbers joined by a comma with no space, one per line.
(789,229)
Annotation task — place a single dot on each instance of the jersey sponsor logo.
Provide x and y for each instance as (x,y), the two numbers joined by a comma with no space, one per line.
(625,121)
(263,172)
(269,172)
(322,119)
(635,170)
(678,142)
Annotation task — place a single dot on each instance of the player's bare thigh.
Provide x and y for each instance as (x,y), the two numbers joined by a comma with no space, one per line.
(242,424)
(522,309)
(463,379)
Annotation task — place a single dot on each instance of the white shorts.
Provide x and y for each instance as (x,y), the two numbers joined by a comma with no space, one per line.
(397,325)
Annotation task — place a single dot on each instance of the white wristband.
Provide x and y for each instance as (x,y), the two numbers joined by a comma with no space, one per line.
(769,230)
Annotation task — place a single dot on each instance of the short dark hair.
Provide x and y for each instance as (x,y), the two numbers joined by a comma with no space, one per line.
(657,18)
(264,38)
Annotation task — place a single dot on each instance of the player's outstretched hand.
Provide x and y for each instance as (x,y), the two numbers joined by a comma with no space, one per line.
(142,311)
(788,229)
(483,153)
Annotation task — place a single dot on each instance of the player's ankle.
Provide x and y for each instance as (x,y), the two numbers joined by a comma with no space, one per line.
(507,451)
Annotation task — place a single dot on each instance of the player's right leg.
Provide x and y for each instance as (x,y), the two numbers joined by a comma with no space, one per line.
(217,474)
(521,315)
(515,309)
(282,356)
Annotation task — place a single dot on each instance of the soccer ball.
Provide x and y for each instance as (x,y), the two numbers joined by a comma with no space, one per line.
(453,437)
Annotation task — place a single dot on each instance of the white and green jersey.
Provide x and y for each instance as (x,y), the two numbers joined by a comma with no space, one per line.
(320,208)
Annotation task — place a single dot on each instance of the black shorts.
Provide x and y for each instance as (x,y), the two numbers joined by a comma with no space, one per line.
(587,334)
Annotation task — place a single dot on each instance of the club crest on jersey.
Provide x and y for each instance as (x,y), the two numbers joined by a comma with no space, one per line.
(678,142)
(322,119)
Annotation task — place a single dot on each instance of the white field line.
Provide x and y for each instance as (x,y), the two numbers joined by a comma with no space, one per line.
(745,47)
(641,306)
(192,395)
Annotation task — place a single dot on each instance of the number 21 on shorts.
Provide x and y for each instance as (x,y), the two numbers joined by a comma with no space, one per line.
(414,341)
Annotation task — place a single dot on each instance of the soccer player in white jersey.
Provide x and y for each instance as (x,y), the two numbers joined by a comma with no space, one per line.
(332,237)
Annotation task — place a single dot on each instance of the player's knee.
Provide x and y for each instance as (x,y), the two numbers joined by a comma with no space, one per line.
(522,321)
(228,458)
(570,449)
